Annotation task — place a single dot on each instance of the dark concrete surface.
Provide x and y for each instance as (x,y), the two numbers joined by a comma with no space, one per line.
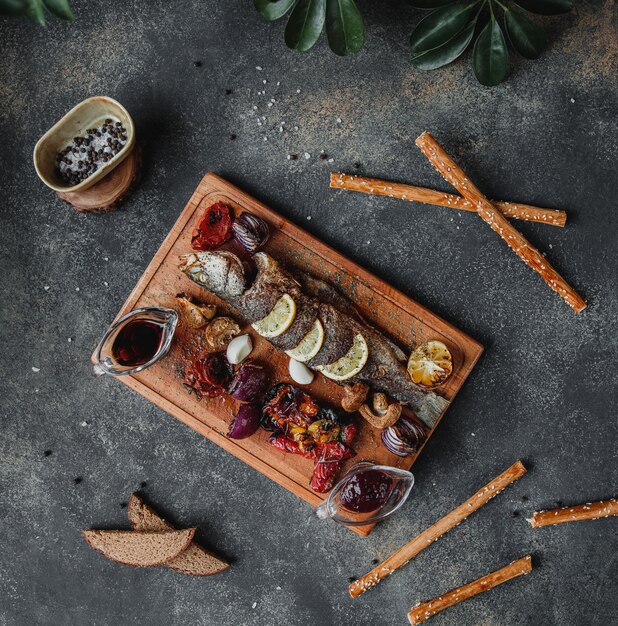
(544,391)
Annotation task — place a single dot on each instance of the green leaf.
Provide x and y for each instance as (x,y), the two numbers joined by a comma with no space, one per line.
(12,7)
(273,10)
(528,38)
(305,24)
(35,12)
(429,4)
(491,58)
(446,53)
(439,27)
(546,7)
(344,27)
(60,8)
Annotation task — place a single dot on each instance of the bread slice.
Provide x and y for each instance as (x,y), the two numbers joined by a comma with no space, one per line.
(195,560)
(141,549)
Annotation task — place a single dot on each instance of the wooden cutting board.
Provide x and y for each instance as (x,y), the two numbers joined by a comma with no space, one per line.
(407,322)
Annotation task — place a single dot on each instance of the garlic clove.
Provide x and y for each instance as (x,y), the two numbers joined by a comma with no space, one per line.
(300,373)
(239,349)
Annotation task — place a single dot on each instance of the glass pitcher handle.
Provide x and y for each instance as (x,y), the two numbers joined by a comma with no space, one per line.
(322,510)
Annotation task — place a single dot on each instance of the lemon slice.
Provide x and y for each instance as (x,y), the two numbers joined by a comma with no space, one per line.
(309,345)
(430,364)
(279,319)
(350,363)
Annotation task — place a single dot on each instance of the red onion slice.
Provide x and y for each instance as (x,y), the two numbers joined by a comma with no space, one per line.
(250,231)
(405,437)
(249,383)
(246,422)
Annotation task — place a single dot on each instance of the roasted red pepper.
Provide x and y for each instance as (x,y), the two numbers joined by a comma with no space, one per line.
(209,376)
(213,229)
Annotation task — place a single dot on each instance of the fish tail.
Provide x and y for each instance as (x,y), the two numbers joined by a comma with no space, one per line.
(429,406)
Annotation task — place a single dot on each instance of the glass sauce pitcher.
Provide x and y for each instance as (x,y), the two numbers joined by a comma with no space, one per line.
(136,341)
(367,494)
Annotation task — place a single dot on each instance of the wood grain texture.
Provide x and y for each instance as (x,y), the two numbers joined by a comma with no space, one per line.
(407,322)
(110,191)
(424,610)
(412,193)
(435,531)
(453,174)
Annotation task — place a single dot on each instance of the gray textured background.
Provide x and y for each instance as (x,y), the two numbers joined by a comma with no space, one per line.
(544,391)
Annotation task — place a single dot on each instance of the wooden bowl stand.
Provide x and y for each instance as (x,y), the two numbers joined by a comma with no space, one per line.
(110,191)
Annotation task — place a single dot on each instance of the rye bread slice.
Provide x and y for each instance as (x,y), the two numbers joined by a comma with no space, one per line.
(195,560)
(140,549)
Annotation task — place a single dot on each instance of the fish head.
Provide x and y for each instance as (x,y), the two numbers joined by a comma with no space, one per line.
(220,272)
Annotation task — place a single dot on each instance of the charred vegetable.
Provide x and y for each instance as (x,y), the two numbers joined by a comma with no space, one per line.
(221,331)
(249,383)
(195,315)
(301,426)
(209,376)
(405,437)
(246,422)
(250,232)
(213,229)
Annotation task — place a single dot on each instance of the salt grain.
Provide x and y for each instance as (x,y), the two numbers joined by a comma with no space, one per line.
(46,287)
(76,288)
(308,218)
(254,605)
(307,155)
(259,68)
(36,369)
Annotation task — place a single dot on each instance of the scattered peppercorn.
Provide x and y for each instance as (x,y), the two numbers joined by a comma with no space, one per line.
(524,498)
(197,64)
(293,157)
(232,136)
(47,453)
(352,579)
(323,156)
(515,513)
(77,480)
(228,92)
(123,505)
(375,562)
(142,485)
(357,165)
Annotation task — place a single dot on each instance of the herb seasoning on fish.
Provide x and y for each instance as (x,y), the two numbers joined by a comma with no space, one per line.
(83,156)
(351,351)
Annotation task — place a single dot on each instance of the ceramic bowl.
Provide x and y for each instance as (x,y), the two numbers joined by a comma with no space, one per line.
(87,114)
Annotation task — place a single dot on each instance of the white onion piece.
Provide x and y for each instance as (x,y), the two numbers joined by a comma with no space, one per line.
(239,349)
(300,373)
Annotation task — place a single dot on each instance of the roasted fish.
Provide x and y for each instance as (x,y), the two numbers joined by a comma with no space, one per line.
(346,336)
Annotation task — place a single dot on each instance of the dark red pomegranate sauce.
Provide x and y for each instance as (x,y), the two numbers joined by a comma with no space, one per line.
(137,342)
(366,491)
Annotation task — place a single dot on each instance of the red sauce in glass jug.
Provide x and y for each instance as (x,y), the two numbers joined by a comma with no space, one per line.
(137,342)
(366,491)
